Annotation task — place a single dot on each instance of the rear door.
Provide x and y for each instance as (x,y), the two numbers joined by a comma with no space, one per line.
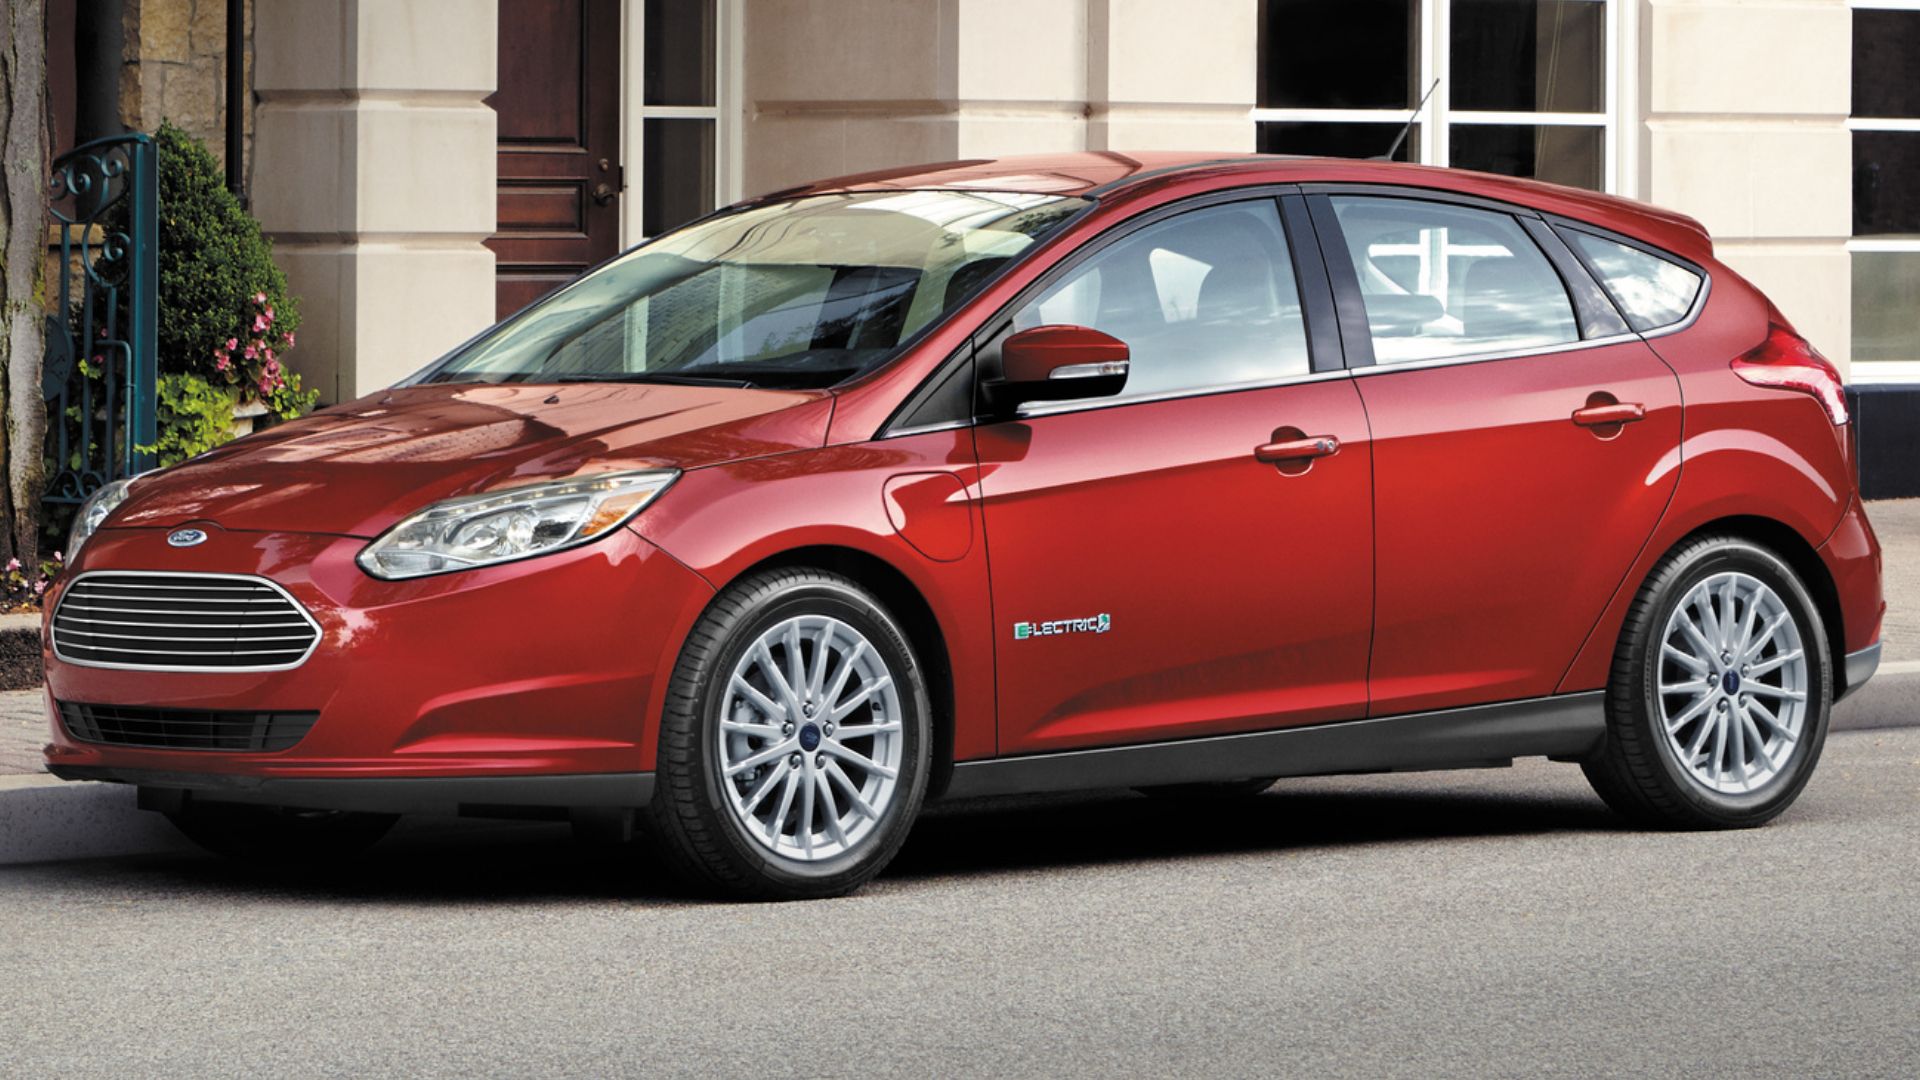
(1152,576)
(1525,443)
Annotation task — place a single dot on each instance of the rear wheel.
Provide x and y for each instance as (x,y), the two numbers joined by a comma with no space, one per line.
(794,748)
(1720,693)
(279,833)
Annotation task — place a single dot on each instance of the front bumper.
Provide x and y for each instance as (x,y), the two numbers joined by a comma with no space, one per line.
(551,667)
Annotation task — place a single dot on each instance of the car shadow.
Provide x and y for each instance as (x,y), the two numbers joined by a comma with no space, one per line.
(467,862)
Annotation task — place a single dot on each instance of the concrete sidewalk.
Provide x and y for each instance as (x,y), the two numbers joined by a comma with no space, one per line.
(42,818)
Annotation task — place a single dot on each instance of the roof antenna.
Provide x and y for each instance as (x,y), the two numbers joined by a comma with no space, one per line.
(1408,126)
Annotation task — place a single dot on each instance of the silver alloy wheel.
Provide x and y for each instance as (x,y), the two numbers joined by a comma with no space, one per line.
(1733,683)
(811,738)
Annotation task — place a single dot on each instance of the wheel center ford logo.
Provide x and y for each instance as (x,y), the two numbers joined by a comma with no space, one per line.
(186,537)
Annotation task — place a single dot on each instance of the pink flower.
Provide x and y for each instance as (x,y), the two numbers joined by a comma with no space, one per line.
(232,344)
(266,384)
(273,366)
(289,339)
(12,565)
(251,353)
(269,314)
(259,298)
(39,588)
(222,363)
(57,557)
(259,323)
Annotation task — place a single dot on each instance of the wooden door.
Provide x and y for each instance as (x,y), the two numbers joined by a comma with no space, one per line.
(559,152)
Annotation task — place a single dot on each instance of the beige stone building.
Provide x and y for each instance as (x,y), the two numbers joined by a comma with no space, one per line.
(426,164)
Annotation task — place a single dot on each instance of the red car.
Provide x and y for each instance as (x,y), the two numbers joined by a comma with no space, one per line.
(1153,471)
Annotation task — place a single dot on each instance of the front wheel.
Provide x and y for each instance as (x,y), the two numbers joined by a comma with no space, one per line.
(794,747)
(1721,687)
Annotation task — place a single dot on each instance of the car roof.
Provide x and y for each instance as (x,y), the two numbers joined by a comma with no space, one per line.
(1108,173)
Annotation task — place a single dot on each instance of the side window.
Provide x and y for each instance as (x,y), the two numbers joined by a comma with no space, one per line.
(1204,300)
(1440,280)
(1651,290)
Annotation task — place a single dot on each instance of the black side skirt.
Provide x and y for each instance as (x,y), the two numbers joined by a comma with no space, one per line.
(1563,726)
(388,795)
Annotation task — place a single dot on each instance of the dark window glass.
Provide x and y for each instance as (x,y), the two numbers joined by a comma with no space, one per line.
(676,173)
(679,52)
(1339,54)
(1529,55)
(1886,182)
(1653,291)
(1886,63)
(1337,140)
(1205,300)
(1575,156)
(1440,281)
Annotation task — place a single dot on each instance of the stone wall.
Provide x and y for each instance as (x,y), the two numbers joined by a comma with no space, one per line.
(176,69)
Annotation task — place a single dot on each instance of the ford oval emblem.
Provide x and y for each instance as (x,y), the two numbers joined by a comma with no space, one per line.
(186,537)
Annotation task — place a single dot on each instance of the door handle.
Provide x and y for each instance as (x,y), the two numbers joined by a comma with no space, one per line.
(1602,415)
(1313,446)
(603,193)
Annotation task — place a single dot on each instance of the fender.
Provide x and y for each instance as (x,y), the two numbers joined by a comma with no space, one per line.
(730,519)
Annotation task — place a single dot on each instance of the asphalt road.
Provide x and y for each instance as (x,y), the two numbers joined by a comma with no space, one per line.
(1483,923)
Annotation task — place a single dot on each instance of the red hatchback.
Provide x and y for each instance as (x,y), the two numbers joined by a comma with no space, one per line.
(1149,471)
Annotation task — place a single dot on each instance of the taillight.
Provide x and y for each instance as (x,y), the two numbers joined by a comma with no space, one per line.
(1787,362)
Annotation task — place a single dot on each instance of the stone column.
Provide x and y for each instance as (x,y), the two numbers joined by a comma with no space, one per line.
(374,173)
(1746,131)
(871,84)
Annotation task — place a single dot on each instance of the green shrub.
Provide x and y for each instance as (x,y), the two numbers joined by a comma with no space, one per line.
(225,314)
(195,416)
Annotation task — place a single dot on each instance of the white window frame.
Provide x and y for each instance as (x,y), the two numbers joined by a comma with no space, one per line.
(1876,371)
(1437,117)
(634,112)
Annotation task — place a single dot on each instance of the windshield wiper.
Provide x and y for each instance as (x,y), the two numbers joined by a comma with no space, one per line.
(665,377)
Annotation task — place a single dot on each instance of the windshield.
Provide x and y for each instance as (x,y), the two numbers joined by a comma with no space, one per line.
(804,293)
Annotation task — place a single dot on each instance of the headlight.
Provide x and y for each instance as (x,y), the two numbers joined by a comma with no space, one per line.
(92,513)
(479,530)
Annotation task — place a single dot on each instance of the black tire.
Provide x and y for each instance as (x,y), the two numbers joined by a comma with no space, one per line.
(696,828)
(1636,771)
(278,834)
(1210,789)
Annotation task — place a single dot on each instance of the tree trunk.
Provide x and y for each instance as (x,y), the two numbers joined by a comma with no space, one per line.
(23,258)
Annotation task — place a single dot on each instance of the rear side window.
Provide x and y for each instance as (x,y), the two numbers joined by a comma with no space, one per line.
(1651,291)
(1440,280)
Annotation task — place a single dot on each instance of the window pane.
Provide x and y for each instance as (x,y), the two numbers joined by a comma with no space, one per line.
(676,173)
(1443,281)
(1653,291)
(1886,295)
(1574,156)
(678,66)
(1339,54)
(1886,182)
(1207,299)
(1885,81)
(1337,140)
(1529,55)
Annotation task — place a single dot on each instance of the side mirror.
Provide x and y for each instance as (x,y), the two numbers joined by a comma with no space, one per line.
(1058,363)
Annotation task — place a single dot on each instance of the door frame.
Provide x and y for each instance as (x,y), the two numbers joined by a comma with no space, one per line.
(725,112)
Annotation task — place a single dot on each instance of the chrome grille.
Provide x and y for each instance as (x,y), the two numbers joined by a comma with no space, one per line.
(185,729)
(181,622)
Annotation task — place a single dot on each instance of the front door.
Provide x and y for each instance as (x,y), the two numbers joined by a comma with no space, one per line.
(1522,454)
(559,144)
(1152,576)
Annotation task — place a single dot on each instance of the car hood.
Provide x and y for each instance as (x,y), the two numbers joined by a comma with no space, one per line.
(356,468)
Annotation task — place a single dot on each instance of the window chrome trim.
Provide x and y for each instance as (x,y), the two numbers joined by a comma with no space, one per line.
(1378,368)
(252,579)
(1035,410)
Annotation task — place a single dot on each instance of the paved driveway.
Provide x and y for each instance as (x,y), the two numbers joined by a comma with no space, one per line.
(1490,923)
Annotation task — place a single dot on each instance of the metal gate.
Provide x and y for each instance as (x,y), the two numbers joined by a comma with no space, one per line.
(100,379)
